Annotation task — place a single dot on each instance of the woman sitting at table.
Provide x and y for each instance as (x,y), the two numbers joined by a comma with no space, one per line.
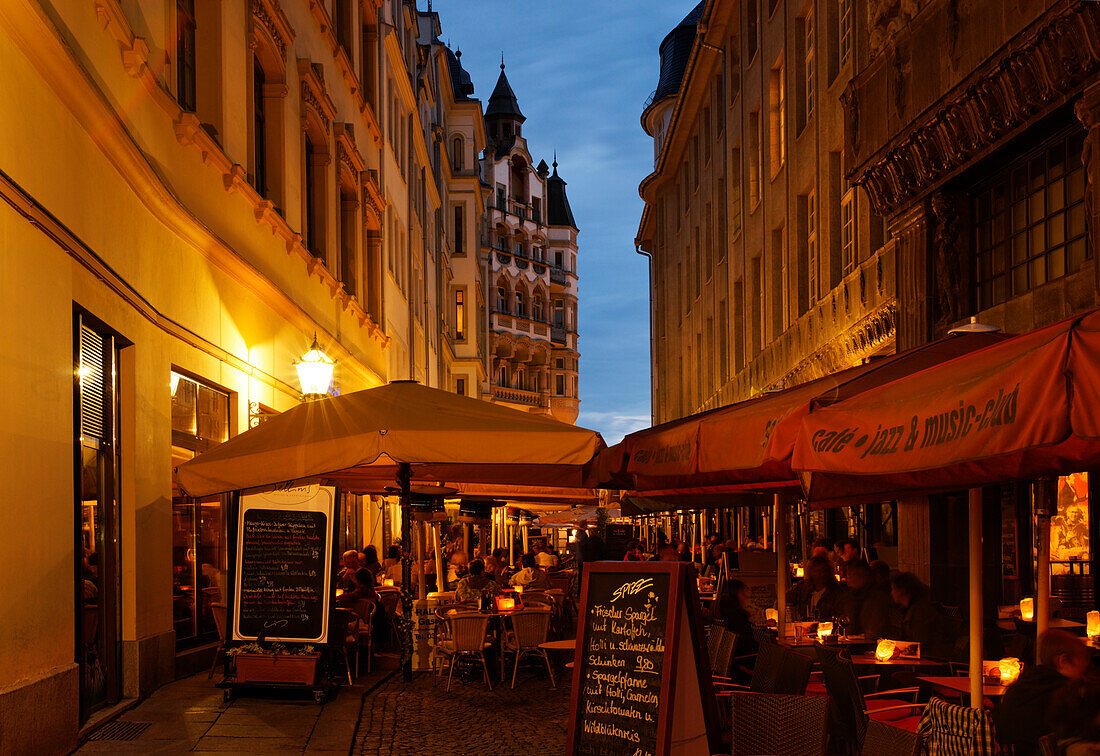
(476,583)
(819,596)
(924,621)
(731,609)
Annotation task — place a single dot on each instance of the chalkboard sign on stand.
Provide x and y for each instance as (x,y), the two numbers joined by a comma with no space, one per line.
(283,566)
(642,680)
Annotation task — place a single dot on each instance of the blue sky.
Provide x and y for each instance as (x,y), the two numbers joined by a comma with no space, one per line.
(581,71)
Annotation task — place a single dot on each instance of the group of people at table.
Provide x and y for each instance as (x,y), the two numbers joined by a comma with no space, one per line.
(1059,696)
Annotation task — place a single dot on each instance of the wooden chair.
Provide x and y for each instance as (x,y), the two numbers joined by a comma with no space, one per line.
(850,717)
(467,632)
(952,729)
(530,628)
(780,724)
(218,610)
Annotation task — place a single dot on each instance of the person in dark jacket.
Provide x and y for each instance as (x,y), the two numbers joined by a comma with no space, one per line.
(924,621)
(868,607)
(732,610)
(1024,714)
(819,596)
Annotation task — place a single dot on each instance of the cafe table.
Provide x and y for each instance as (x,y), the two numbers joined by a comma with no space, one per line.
(1054,622)
(810,639)
(496,616)
(956,687)
(869,660)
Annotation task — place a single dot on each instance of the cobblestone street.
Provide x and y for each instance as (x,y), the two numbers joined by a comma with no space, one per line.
(417,719)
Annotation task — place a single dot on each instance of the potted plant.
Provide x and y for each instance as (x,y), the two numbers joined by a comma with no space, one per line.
(276,663)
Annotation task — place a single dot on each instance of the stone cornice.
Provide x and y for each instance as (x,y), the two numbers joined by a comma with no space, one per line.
(314,95)
(1031,77)
(268,19)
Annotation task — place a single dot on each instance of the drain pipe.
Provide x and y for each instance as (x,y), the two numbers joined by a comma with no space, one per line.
(652,336)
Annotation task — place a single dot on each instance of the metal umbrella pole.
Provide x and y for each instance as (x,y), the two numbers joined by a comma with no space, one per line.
(976,653)
(404,481)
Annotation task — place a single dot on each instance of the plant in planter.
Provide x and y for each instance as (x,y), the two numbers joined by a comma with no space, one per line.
(276,663)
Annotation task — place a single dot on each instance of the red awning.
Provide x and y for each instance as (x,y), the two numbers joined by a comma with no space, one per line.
(1026,407)
(748,445)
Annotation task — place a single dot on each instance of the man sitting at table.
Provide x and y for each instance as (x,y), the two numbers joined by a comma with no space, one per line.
(819,596)
(924,621)
(476,583)
(531,575)
(546,559)
(867,606)
(1023,715)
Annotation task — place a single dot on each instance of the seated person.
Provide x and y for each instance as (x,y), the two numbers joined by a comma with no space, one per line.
(345,579)
(1022,716)
(456,567)
(546,559)
(393,556)
(867,607)
(850,554)
(531,575)
(1075,715)
(819,596)
(476,583)
(924,621)
(731,609)
(633,552)
(368,559)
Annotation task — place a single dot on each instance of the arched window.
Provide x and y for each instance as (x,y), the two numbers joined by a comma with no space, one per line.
(503,380)
(536,307)
(502,299)
(458,154)
(521,303)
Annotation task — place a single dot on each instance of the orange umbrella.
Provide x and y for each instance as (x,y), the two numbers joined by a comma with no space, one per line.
(748,445)
(359,441)
(1023,408)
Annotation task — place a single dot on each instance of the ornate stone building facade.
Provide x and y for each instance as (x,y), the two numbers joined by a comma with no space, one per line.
(192,190)
(768,267)
(532,239)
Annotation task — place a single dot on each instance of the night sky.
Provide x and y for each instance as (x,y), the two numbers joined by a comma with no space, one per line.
(581,71)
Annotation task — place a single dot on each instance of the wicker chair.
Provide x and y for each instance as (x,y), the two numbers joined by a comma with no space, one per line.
(467,639)
(364,609)
(780,670)
(849,715)
(218,610)
(529,629)
(390,601)
(781,724)
(949,729)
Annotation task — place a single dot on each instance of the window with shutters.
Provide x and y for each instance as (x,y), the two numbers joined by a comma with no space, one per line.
(185,54)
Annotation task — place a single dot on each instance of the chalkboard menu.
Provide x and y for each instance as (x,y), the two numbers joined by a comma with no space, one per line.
(638,683)
(284,566)
(617,537)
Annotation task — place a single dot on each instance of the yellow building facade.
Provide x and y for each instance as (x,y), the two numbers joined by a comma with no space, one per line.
(193,190)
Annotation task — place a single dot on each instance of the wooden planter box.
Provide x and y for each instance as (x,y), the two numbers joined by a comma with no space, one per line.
(269,668)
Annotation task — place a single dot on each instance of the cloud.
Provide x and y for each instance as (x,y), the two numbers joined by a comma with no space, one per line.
(613,426)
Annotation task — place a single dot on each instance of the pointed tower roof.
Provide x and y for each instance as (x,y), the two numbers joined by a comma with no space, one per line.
(558,207)
(503,103)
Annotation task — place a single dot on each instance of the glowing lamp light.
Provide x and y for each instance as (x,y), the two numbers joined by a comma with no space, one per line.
(315,371)
(1027,609)
(772,616)
(505,603)
(824,630)
(885,650)
(339,592)
(1092,624)
(387,581)
(799,571)
(519,589)
(1010,670)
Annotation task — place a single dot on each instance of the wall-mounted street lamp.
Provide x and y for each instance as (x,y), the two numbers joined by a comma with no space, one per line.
(315,372)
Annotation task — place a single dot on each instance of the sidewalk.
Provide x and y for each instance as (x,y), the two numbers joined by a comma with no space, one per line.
(190,715)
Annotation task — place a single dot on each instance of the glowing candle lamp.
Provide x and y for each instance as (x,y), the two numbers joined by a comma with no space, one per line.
(772,616)
(885,650)
(1010,670)
(1092,624)
(519,589)
(339,592)
(799,571)
(505,603)
(387,581)
(1027,609)
(824,630)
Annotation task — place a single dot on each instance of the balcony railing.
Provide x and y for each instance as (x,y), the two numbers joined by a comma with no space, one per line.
(558,275)
(558,334)
(520,396)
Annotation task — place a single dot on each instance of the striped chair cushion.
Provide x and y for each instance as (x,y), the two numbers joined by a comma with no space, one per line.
(952,730)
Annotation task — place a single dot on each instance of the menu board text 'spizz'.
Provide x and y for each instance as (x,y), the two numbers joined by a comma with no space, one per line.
(622,664)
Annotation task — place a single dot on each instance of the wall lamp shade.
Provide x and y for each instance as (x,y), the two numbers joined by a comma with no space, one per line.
(974,327)
(315,371)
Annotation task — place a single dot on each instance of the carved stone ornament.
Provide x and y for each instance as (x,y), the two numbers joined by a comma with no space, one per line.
(1000,96)
(948,257)
(268,16)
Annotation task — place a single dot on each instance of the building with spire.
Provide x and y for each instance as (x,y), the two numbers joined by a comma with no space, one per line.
(531,238)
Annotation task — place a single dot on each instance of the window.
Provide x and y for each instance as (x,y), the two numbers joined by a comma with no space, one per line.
(460,314)
(259,129)
(755,159)
(313,217)
(559,363)
(847,230)
(752,31)
(706,136)
(781,268)
(777,99)
(735,193)
(502,198)
(1029,221)
(808,69)
(558,259)
(811,247)
(695,162)
(723,342)
(503,380)
(459,240)
(185,54)
(502,299)
(536,209)
(349,238)
(537,308)
(460,386)
(559,385)
(559,313)
(458,154)
(200,421)
(844,18)
(342,20)
(521,309)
